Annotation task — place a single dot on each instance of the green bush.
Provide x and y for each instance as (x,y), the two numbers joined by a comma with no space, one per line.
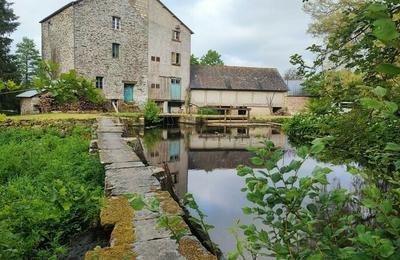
(3,117)
(152,112)
(207,111)
(68,88)
(50,189)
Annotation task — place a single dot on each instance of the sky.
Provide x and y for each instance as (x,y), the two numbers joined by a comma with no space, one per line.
(255,33)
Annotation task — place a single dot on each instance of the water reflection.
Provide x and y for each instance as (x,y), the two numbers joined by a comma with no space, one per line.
(203,162)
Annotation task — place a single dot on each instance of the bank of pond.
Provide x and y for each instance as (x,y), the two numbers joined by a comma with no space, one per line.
(52,188)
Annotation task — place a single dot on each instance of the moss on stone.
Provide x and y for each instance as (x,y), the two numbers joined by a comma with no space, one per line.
(117,213)
(168,204)
(192,250)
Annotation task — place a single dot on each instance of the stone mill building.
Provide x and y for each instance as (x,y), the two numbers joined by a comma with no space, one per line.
(134,49)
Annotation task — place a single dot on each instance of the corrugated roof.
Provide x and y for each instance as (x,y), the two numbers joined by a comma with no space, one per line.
(28,94)
(77,1)
(236,78)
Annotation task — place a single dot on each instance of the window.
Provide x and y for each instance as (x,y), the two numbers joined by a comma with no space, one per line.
(175,81)
(115,50)
(176,58)
(116,23)
(153,58)
(99,82)
(176,35)
(158,59)
(155,85)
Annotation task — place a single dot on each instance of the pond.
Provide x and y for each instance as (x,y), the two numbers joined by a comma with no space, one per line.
(203,162)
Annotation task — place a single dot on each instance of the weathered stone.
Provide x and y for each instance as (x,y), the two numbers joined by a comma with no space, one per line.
(161,249)
(117,156)
(131,180)
(124,165)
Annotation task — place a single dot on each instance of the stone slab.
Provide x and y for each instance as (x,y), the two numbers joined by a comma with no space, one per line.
(124,165)
(131,180)
(118,156)
(160,249)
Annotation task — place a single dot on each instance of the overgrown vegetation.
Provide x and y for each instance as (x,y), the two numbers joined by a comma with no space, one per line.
(66,88)
(50,189)
(356,117)
(152,113)
(302,220)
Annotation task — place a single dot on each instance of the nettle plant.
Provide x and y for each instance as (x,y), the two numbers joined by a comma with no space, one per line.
(301,219)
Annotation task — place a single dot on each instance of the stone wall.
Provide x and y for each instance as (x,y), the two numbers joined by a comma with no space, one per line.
(94,37)
(29,106)
(58,40)
(296,104)
(161,26)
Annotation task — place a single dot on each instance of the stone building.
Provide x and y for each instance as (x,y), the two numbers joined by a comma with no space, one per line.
(260,90)
(29,102)
(133,49)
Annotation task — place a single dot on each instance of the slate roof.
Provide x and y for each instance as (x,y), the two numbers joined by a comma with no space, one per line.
(77,1)
(236,78)
(28,94)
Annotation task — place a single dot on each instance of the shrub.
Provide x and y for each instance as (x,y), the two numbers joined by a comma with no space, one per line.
(302,220)
(50,189)
(152,112)
(3,117)
(68,88)
(207,111)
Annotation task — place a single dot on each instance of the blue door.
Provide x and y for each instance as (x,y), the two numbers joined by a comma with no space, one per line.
(128,93)
(174,150)
(175,89)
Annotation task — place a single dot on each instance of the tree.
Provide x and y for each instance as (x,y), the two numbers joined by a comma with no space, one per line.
(212,58)
(194,60)
(27,57)
(8,24)
(291,74)
(329,15)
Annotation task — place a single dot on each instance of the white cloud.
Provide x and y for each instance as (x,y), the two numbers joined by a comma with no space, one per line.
(247,33)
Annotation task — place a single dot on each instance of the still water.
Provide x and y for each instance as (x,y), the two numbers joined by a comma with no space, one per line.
(203,162)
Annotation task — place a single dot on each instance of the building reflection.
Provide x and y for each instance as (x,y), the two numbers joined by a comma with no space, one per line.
(188,148)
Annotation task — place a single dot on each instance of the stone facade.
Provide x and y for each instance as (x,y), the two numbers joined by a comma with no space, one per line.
(80,36)
(161,44)
(58,40)
(29,106)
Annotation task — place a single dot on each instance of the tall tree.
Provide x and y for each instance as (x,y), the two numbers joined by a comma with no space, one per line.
(212,58)
(27,57)
(8,24)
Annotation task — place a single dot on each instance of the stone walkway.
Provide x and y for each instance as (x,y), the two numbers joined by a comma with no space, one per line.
(125,173)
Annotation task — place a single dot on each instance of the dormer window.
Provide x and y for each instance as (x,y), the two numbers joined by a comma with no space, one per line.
(176,34)
(116,23)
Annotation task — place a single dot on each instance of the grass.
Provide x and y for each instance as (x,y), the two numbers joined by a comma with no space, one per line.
(51,188)
(67,116)
(54,116)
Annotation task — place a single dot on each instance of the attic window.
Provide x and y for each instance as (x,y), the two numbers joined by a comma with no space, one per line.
(116,23)
(176,35)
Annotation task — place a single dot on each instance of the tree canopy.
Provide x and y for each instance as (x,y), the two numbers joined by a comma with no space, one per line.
(27,58)
(8,24)
(212,58)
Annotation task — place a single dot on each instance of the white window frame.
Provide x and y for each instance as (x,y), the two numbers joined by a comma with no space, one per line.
(176,58)
(99,82)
